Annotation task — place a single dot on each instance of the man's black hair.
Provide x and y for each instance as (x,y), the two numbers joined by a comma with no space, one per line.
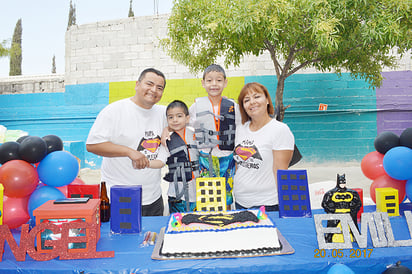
(157,72)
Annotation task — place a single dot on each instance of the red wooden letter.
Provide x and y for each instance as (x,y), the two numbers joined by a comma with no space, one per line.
(39,255)
(18,252)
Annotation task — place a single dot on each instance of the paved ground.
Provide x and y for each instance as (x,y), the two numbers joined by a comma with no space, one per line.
(328,172)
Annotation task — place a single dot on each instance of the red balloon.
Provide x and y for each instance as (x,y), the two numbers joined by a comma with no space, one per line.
(78,181)
(15,212)
(372,165)
(64,190)
(19,178)
(388,181)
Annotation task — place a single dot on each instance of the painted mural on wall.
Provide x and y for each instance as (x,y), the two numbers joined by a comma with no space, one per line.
(344,131)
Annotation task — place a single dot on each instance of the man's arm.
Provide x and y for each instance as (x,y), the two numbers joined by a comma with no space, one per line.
(108,149)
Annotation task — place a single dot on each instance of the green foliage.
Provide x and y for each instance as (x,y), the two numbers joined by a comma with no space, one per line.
(331,35)
(53,70)
(4,50)
(72,15)
(15,50)
(131,13)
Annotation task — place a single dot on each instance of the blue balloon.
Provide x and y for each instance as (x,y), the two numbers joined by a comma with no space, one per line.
(408,189)
(340,269)
(58,168)
(41,195)
(397,163)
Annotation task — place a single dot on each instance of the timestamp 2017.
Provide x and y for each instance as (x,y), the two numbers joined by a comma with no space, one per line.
(339,253)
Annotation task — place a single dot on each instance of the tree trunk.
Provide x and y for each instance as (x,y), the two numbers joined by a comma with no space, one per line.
(279,107)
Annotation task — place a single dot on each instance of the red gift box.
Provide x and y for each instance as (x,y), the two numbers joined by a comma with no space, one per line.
(59,214)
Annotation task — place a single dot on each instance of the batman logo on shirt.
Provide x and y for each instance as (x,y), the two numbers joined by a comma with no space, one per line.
(246,152)
(151,144)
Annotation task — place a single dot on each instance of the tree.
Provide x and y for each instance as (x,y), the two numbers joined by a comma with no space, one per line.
(72,15)
(53,70)
(357,36)
(15,50)
(4,50)
(131,13)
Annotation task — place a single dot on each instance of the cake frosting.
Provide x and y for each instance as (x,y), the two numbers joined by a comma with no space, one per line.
(216,234)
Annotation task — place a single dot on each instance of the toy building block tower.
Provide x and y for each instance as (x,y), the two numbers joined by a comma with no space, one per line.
(294,200)
(387,200)
(211,194)
(126,209)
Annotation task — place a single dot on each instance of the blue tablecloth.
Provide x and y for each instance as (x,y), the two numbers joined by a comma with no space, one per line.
(299,232)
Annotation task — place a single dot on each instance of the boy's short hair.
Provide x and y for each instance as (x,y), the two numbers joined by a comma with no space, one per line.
(214,67)
(178,104)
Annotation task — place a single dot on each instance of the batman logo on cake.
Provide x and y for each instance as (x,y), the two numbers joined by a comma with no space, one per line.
(151,144)
(220,219)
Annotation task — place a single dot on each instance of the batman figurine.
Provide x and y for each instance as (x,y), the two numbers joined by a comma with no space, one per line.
(341,200)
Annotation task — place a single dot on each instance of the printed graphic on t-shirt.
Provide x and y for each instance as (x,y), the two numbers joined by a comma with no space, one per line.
(149,146)
(247,155)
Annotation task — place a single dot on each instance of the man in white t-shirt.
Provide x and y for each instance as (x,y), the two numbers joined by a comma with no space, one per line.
(127,134)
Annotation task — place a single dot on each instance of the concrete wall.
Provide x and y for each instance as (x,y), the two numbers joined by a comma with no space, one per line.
(344,132)
(119,50)
(104,59)
(394,102)
(32,84)
(114,51)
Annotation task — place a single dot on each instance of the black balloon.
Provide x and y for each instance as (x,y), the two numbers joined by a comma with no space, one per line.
(33,149)
(397,269)
(9,151)
(22,138)
(385,141)
(54,143)
(406,138)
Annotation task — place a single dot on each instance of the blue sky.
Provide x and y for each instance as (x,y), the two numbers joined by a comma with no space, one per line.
(44,25)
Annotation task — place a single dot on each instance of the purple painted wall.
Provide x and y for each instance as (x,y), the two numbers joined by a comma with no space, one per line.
(394,102)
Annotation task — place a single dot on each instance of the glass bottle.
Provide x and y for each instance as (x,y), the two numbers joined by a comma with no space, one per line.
(104,204)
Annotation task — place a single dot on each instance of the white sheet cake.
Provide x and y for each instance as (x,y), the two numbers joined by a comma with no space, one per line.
(215,234)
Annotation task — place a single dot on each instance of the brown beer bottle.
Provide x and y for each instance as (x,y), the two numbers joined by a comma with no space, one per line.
(104,204)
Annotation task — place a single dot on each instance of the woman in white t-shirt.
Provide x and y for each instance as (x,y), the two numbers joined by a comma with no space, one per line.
(263,145)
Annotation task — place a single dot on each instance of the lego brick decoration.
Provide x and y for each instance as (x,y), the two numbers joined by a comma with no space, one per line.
(211,194)
(1,203)
(126,209)
(293,193)
(65,212)
(83,191)
(387,200)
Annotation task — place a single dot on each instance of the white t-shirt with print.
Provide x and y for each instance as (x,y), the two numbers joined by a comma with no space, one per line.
(125,123)
(254,183)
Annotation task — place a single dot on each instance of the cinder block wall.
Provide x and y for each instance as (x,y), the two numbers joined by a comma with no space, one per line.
(104,59)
